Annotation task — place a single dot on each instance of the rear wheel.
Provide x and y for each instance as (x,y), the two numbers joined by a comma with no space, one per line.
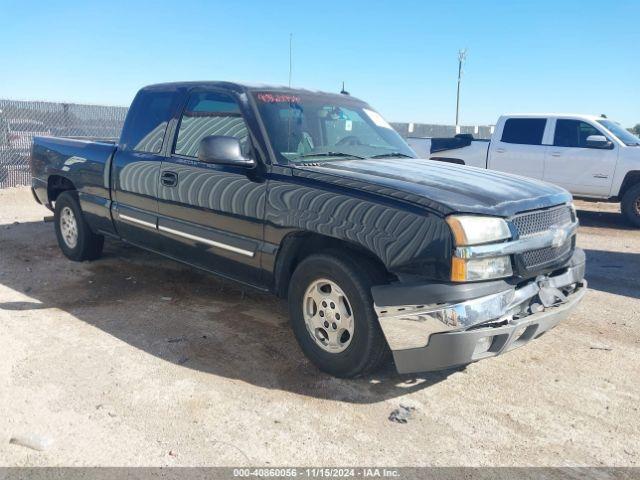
(75,238)
(630,205)
(332,316)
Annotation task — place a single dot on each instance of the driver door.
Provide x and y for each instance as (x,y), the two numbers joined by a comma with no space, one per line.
(212,215)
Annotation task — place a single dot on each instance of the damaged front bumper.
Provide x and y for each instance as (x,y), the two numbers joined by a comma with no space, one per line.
(464,323)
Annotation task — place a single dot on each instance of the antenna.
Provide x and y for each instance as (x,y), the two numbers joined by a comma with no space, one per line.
(462,57)
(343,91)
(290,57)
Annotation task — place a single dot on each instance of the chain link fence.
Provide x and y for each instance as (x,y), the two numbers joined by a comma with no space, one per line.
(20,121)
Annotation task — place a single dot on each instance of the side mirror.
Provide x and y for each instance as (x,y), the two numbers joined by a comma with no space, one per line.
(598,141)
(223,150)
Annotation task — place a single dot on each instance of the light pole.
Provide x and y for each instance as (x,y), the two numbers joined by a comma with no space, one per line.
(462,56)
(290,57)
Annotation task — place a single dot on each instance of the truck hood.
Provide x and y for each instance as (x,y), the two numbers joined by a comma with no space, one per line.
(443,187)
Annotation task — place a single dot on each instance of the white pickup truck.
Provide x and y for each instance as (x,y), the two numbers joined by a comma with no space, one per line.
(593,157)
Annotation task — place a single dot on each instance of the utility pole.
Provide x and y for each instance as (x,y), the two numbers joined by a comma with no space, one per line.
(290,57)
(462,56)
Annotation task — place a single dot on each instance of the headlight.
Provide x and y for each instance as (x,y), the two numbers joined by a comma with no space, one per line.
(475,230)
(469,230)
(480,269)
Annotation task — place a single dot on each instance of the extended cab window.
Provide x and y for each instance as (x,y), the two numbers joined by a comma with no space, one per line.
(573,133)
(145,129)
(525,131)
(210,114)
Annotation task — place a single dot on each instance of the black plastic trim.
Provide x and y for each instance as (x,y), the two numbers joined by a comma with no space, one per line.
(397,294)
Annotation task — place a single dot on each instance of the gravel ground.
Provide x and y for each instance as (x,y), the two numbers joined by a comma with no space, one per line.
(137,360)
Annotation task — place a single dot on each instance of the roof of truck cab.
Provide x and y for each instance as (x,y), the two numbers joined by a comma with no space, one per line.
(241,87)
(581,116)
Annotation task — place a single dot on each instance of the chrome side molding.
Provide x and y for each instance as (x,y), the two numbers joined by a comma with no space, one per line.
(206,241)
(179,233)
(137,221)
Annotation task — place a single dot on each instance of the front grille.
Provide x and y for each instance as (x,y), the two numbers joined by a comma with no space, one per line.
(540,258)
(531,223)
(542,220)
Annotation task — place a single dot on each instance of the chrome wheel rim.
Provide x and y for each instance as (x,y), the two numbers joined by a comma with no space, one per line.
(637,205)
(69,227)
(328,316)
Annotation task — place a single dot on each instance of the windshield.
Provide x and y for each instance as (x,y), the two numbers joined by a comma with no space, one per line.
(309,127)
(619,131)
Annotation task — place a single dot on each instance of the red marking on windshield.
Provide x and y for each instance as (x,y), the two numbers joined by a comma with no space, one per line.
(277,98)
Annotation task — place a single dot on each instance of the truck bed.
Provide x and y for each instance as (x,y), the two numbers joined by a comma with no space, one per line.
(461,150)
(82,161)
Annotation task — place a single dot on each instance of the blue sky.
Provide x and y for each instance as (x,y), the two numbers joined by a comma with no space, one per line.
(562,56)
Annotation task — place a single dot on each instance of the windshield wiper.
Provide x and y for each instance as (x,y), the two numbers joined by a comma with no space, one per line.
(391,154)
(330,154)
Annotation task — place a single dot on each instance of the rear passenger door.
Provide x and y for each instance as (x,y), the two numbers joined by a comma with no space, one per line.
(518,147)
(136,167)
(212,215)
(576,166)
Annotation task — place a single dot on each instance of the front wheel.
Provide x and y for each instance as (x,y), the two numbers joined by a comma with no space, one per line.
(332,316)
(630,205)
(75,238)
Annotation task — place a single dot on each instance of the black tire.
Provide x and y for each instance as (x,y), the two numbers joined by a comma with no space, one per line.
(88,245)
(630,205)
(368,349)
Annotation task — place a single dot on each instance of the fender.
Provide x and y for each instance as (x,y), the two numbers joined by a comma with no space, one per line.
(405,240)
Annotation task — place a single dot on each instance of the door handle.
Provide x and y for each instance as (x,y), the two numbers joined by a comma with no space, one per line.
(500,150)
(555,154)
(169,179)
(600,175)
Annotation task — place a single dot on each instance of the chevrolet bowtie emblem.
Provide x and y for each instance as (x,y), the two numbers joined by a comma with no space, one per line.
(559,237)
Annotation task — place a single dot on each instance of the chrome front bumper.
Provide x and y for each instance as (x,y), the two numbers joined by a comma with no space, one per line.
(410,329)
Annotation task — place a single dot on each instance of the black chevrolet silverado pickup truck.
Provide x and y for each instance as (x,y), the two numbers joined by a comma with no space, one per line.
(314,197)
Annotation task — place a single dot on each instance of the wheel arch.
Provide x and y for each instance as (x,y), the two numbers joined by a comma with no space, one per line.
(631,179)
(56,184)
(297,246)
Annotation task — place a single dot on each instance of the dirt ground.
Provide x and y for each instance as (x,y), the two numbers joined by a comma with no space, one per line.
(137,360)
